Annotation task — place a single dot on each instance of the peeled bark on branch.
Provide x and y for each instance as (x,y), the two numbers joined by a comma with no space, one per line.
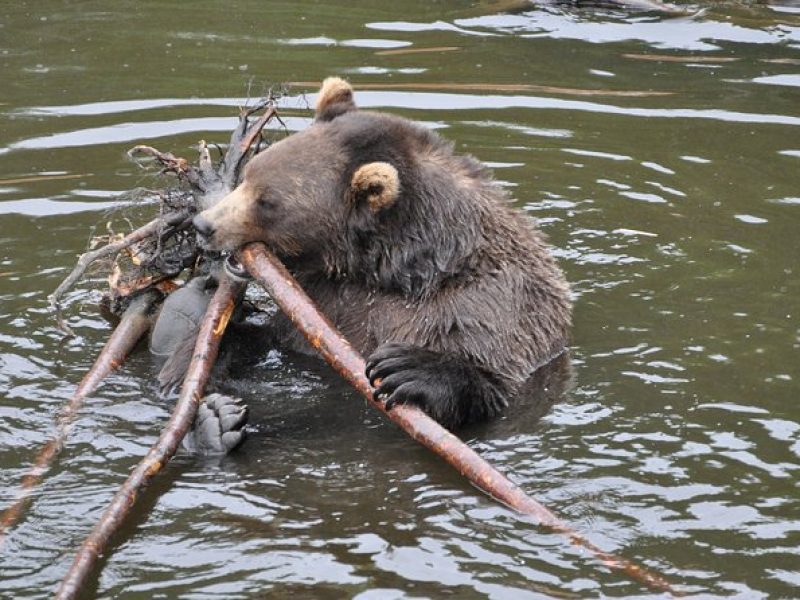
(134,324)
(269,272)
(215,321)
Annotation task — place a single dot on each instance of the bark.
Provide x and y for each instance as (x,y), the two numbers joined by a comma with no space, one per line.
(205,354)
(269,272)
(133,325)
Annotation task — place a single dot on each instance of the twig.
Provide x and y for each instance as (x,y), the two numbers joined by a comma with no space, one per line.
(196,176)
(133,325)
(170,162)
(86,259)
(402,51)
(205,164)
(682,58)
(293,301)
(205,353)
(38,178)
(242,138)
(256,128)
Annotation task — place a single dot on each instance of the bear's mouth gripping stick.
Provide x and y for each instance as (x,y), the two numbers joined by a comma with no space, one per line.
(270,273)
(134,324)
(215,321)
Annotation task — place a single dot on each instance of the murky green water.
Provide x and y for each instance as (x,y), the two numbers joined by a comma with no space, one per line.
(675,216)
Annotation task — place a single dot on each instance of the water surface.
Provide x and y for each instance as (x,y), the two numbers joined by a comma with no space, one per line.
(674,211)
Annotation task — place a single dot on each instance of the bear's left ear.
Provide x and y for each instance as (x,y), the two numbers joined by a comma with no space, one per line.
(375,183)
(335,97)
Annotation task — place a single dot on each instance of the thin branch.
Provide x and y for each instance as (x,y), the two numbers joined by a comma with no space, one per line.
(134,324)
(242,138)
(170,162)
(38,178)
(502,88)
(206,165)
(180,166)
(213,327)
(256,128)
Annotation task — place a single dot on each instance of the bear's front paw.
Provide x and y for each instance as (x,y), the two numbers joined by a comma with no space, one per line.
(404,374)
(445,386)
(219,425)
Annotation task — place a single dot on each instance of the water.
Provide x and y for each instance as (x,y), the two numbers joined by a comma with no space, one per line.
(674,212)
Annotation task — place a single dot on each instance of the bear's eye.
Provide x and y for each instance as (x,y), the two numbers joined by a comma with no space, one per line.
(265,203)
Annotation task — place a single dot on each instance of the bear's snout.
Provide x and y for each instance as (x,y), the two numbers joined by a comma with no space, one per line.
(204,228)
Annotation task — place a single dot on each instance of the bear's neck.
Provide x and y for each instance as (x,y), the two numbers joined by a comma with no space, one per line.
(411,253)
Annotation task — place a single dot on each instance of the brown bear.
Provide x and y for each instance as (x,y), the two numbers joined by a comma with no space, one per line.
(411,250)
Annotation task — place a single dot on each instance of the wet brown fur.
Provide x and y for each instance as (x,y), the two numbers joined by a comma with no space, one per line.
(440,261)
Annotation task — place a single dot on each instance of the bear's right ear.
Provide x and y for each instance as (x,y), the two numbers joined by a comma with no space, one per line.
(335,97)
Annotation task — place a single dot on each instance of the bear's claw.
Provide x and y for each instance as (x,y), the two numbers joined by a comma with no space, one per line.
(444,386)
(219,425)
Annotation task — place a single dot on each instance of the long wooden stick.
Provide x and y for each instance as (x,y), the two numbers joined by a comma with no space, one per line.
(492,87)
(205,353)
(133,325)
(321,334)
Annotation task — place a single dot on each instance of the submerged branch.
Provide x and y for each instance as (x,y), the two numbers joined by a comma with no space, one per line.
(502,88)
(133,325)
(321,334)
(205,353)
(38,178)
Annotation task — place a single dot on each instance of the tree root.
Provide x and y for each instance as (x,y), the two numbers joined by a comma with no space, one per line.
(159,258)
(153,228)
(207,184)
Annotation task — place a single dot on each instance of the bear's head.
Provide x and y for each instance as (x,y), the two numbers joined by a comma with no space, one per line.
(357,194)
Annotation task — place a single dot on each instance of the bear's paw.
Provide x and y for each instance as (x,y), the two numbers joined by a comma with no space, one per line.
(219,426)
(445,386)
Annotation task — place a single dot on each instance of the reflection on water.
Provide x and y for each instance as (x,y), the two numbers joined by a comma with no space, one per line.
(659,153)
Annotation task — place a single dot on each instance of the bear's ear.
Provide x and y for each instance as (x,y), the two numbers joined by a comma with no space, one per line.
(335,97)
(375,183)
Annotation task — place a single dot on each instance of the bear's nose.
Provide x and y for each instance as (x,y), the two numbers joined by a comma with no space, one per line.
(203,226)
